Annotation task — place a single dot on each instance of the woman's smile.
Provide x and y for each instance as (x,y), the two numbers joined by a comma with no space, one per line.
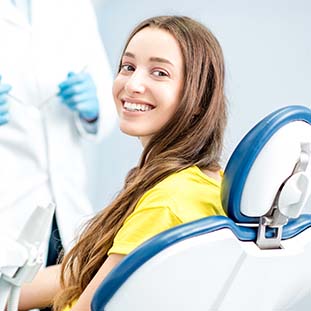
(133,105)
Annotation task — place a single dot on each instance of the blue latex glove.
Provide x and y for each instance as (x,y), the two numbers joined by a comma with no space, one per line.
(4,105)
(78,93)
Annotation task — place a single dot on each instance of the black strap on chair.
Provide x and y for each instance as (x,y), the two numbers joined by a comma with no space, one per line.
(55,248)
(55,244)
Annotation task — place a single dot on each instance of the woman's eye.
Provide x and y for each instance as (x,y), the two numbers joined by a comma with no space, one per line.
(127,67)
(160,73)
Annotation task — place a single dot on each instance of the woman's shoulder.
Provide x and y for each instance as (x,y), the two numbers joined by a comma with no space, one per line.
(180,185)
(191,176)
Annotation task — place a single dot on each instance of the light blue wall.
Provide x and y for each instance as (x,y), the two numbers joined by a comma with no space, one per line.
(267,48)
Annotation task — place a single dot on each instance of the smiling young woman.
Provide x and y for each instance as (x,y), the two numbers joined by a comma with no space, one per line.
(149,85)
(169,92)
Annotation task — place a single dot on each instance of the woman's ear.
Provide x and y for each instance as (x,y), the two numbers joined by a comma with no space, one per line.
(196,112)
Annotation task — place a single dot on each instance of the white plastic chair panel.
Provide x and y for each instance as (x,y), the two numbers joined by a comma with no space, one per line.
(218,272)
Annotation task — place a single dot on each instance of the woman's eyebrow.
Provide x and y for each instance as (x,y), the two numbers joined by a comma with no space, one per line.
(152,59)
(129,54)
(160,60)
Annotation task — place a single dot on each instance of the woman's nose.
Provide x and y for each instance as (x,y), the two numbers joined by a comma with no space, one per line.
(135,83)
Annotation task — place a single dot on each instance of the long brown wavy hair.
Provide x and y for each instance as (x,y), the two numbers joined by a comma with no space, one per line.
(194,136)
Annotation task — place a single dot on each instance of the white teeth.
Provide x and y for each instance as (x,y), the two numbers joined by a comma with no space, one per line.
(136,107)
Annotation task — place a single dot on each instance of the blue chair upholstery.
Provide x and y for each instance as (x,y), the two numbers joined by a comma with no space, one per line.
(214,263)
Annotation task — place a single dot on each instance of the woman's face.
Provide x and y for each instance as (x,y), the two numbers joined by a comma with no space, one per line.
(148,87)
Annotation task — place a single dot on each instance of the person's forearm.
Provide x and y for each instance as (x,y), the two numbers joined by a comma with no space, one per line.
(41,291)
(84,302)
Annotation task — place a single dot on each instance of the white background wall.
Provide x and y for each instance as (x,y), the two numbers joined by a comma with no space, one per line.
(267,48)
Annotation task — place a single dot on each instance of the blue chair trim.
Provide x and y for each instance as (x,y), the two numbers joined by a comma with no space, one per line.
(153,246)
(246,153)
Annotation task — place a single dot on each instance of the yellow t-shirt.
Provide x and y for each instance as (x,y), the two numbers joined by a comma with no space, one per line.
(181,197)
(68,308)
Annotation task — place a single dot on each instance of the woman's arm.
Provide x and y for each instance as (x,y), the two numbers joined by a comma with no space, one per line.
(84,302)
(41,291)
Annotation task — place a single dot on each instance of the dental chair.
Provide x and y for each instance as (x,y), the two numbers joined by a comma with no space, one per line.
(257,258)
(21,259)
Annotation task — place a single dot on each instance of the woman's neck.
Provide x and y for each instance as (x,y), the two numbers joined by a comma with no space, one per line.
(212,174)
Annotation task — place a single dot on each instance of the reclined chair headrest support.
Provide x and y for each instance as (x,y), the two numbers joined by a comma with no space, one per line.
(272,159)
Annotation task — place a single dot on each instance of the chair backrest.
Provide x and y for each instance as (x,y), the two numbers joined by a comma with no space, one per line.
(255,259)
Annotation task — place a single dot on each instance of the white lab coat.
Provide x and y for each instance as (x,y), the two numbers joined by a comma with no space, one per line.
(40,150)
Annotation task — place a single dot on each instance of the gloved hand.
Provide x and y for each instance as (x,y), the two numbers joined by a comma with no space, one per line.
(4,105)
(78,93)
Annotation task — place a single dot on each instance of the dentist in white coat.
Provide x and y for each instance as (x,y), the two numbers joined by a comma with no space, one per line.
(55,91)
